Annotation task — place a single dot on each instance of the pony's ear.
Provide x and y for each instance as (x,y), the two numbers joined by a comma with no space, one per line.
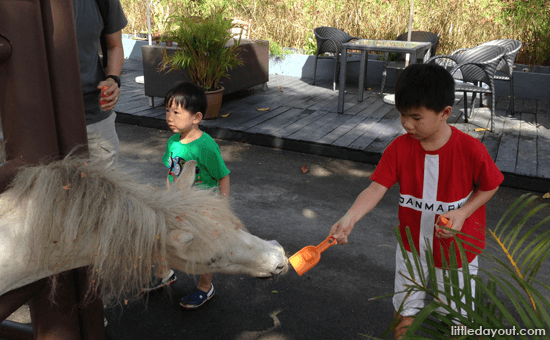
(180,239)
(187,177)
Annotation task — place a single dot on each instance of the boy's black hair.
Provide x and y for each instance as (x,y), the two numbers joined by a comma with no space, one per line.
(189,96)
(424,85)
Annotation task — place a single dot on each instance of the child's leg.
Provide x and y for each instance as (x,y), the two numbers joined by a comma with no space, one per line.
(413,302)
(205,282)
(205,291)
(162,272)
(404,322)
(473,268)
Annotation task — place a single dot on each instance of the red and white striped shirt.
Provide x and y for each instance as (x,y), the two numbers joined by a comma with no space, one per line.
(434,182)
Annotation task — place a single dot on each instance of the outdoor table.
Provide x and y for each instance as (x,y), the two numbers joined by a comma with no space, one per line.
(364,45)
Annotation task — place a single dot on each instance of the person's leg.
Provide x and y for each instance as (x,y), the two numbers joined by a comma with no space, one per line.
(473,269)
(103,140)
(162,272)
(164,276)
(411,301)
(403,323)
(103,144)
(204,292)
(205,283)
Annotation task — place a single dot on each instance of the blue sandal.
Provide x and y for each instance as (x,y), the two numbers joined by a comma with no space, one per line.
(197,298)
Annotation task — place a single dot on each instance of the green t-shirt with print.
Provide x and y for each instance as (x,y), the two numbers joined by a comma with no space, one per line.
(205,151)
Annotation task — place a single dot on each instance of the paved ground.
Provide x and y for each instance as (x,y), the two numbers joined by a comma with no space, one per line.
(276,201)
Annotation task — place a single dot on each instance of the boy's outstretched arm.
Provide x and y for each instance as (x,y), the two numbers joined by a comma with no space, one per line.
(457,217)
(364,203)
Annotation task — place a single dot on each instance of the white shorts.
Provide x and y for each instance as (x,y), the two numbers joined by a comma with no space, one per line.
(415,301)
(103,140)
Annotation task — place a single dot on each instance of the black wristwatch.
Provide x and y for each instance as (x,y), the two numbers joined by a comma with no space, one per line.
(115,78)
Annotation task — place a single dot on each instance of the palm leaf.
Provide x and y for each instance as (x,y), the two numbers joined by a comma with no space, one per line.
(514,276)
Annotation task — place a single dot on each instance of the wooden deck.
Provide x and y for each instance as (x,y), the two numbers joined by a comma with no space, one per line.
(302,117)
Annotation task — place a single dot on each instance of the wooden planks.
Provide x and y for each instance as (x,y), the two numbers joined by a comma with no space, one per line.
(491,139)
(508,146)
(527,146)
(519,144)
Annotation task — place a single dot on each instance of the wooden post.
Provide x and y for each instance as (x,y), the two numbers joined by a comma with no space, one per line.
(42,115)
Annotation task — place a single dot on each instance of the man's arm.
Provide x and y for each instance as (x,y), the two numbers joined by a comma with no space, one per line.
(364,203)
(115,51)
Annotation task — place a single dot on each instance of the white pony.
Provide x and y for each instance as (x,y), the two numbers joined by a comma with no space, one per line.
(76,212)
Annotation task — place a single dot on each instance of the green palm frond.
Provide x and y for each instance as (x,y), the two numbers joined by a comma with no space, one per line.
(505,297)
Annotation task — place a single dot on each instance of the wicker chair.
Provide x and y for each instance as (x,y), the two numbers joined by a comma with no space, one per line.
(330,40)
(477,65)
(506,65)
(421,57)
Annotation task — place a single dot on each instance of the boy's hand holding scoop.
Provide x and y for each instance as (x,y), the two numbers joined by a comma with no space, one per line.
(453,221)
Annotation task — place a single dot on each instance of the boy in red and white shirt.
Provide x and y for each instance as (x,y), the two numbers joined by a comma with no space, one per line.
(441,172)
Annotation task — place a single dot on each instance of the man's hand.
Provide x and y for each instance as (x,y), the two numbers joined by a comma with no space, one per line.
(112,94)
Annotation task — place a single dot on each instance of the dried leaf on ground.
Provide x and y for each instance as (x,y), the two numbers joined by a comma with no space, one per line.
(263,109)
(225,115)
(305,169)
(547,195)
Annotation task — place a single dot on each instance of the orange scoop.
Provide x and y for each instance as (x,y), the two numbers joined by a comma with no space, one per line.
(443,221)
(308,257)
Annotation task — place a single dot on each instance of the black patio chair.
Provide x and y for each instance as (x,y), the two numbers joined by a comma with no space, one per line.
(477,65)
(421,57)
(505,68)
(330,40)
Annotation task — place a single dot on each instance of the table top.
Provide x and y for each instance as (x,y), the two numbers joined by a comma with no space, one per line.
(386,45)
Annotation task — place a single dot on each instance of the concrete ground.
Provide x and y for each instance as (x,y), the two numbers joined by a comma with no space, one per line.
(275,200)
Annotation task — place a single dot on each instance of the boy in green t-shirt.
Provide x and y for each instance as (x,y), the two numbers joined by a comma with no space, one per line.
(185,104)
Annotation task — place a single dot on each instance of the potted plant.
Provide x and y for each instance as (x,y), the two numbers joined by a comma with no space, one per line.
(203,53)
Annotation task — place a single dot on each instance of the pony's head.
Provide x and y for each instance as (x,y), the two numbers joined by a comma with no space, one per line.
(209,238)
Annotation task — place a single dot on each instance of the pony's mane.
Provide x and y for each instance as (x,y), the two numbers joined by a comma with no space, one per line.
(77,204)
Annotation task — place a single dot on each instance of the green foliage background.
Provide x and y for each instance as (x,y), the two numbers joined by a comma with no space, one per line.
(290,23)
